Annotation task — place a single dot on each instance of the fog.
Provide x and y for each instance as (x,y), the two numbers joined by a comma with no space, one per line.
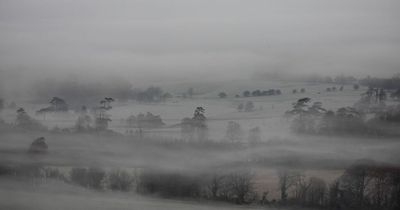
(175,40)
(189,104)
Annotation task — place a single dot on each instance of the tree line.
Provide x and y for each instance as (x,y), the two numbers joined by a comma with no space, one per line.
(365,185)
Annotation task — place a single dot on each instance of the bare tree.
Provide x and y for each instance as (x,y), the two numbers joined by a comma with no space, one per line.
(287,180)
(216,184)
(242,185)
(316,191)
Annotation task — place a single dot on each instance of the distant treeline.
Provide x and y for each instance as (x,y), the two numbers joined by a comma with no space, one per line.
(385,83)
(269,92)
(86,92)
(313,118)
(312,78)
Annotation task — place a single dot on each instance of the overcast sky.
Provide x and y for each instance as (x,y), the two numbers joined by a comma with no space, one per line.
(147,40)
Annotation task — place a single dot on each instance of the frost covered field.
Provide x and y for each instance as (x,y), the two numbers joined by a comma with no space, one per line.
(17,195)
(268,114)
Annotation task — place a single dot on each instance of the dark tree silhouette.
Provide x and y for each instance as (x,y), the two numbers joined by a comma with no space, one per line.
(24,121)
(222,95)
(246,93)
(195,128)
(287,180)
(38,146)
(56,105)
(102,117)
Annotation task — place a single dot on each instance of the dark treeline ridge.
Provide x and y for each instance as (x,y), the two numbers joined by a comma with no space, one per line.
(385,83)
(370,115)
(78,92)
(311,78)
(364,185)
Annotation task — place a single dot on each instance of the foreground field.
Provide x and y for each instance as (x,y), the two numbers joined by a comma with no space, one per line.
(17,194)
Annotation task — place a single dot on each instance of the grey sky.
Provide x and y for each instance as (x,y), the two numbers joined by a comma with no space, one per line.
(150,39)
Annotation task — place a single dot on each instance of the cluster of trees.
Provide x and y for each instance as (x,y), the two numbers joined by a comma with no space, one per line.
(382,83)
(311,78)
(56,105)
(97,178)
(333,89)
(78,91)
(339,79)
(88,177)
(102,118)
(342,79)
(362,186)
(38,146)
(195,128)
(222,95)
(84,123)
(231,186)
(100,114)
(302,90)
(235,133)
(150,95)
(372,100)
(144,121)
(367,186)
(26,122)
(269,92)
(246,107)
(305,191)
(313,118)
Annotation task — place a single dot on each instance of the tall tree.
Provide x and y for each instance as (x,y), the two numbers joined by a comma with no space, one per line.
(234,132)
(287,179)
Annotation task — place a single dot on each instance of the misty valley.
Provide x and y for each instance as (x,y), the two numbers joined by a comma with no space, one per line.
(199,104)
(312,144)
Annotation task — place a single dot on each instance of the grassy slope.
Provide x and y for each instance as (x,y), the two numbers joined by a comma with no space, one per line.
(18,195)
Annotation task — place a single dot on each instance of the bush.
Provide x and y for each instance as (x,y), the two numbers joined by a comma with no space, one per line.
(120,180)
(90,178)
(54,173)
(169,184)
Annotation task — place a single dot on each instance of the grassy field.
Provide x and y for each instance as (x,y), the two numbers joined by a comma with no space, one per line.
(51,195)
(267,115)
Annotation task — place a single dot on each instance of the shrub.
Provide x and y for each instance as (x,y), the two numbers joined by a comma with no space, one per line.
(90,178)
(169,184)
(120,180)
